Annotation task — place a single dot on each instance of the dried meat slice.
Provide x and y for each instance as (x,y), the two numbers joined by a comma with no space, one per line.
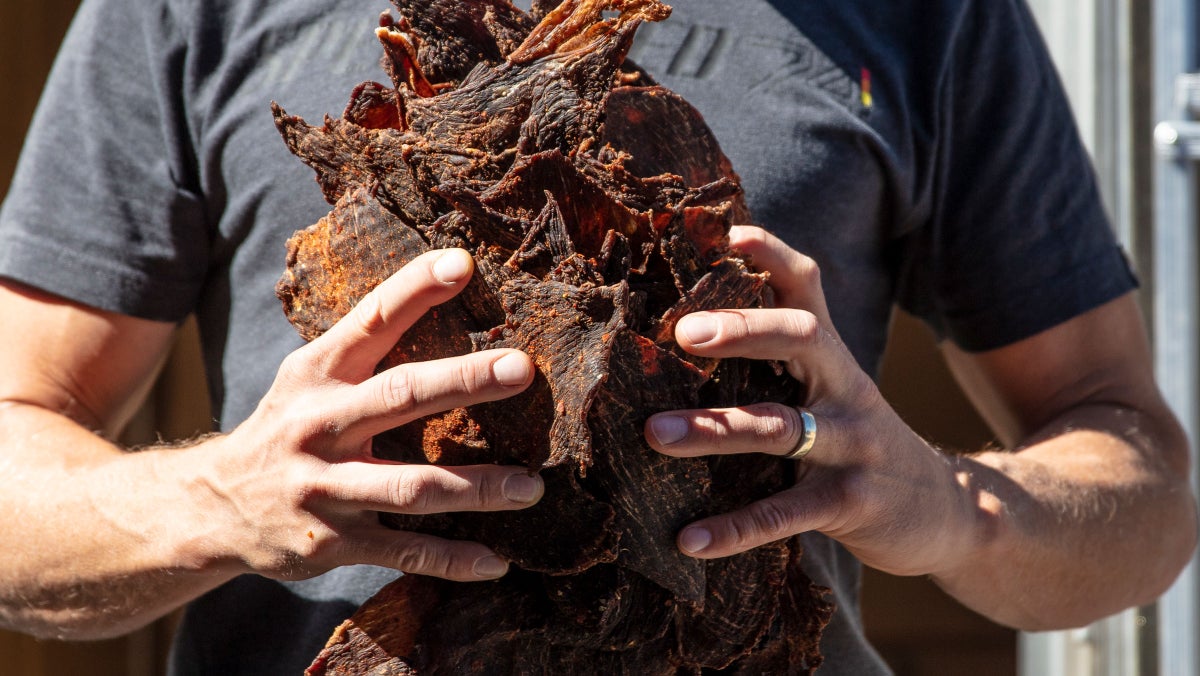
(670,137)
(450,37)
(568,331)
(653,495)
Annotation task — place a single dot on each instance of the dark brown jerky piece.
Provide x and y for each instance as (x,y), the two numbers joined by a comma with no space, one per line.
(670,136)
(568,331)
(741,603)
(792,646)
(380,637)
(608,607)
(452,37)
(654,495)
(580,26)
(347,156)
(335,262)
(373,106)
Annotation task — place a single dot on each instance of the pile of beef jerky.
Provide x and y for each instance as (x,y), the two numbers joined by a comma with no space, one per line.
(597,205)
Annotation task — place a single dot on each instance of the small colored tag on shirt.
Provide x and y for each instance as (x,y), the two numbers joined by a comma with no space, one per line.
(867,99)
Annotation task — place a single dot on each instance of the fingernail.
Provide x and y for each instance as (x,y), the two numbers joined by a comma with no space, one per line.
(694,540)
(522,488)
(512,369)
(452,266)
(668,429)
(697,330)
(490,566)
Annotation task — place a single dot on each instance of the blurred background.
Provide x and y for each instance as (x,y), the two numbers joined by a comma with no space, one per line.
(1124,64)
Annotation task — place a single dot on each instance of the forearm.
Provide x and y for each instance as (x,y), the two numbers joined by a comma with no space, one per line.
(101,541)
(1092,516)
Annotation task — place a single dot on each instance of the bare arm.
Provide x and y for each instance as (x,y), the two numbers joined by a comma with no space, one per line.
(101,541)
(1095,493)
(1088,513)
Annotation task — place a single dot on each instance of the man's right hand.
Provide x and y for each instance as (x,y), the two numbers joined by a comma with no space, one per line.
(300,486)
(110,540)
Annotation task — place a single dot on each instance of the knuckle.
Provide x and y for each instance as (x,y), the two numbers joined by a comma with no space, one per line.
(298,365)
(775,424)
(805,327)
(807,270)
(486,491)
(306,487)
(368,315)
(735,325)
(424,558)
(472,376)
(742,534)
(397,392)
(305,428)
(411,492)
(769,521)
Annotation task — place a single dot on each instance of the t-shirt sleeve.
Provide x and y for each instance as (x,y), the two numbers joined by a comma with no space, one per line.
(1018,240)
(104,208)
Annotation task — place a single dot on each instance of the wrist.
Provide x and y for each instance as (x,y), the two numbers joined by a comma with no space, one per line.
(986,531)
(199,536)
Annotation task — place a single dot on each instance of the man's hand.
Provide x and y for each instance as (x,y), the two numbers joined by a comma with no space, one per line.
(298,490)
(107,540)
(1051,535)
(857,482)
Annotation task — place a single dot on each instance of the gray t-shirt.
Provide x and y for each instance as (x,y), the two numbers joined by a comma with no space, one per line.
(921,151)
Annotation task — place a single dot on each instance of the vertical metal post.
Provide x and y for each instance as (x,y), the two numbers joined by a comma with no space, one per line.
(1175,287)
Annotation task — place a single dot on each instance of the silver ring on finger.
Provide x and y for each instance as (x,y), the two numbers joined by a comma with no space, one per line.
(808,436)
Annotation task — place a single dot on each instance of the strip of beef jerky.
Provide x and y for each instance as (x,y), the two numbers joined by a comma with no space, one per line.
(741,603)
(568,332)
(589,212)
(793,645)
(654,495)
(580,26)
(337,261)
(373,639)
(452,37)
(608,608)
(634,119)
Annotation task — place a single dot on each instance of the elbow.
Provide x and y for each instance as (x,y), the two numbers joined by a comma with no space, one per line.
(1177,541)
(1179,528)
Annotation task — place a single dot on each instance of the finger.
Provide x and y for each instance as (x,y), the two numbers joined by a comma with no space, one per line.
(410,391)
(427,489)
(420,554)
(796,278)
(811,354)
(362,338)
(757,333)
(779,516)
(770,428)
